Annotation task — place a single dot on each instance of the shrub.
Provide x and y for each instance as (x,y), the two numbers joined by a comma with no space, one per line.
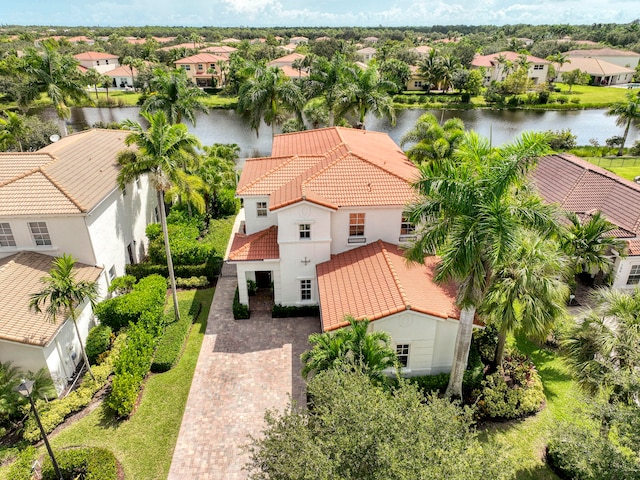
(252,287)
(210,269)
(185,247)
(577,453)
(180,215)
(192,282)
(240,311)
(562,140)
(226,203)
(171,343)
(514,391)
(562,99)
(87,463)
(147,295)
(122,285)
(543,97)
(153,231)
(287,311)
(21,468)
(98,342)
(635,150)
(438,382)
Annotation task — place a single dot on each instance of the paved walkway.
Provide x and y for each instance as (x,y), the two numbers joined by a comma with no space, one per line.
(245,367)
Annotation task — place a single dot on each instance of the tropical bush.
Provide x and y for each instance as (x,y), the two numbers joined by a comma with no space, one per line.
(240,311)
(147,295)
(122,285)
(98,342)
(21,468)
(192,282)
(562,140)
(211,270)
(515,390)
(185,247)
(285,311)
(89,463)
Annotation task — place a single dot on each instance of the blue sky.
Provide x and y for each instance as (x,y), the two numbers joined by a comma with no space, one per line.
(264,13)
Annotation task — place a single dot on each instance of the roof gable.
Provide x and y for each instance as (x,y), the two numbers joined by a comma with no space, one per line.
(262,245)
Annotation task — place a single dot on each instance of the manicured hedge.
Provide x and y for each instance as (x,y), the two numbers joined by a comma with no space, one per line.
(185,247)
(210,269)
(98,342)
(88,463)
(147,295)
(54,412)
(175,333)
(240,310)
(192,282)
(285,311)
(21,468)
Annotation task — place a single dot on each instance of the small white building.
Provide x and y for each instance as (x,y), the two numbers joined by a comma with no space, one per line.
(601,71)
(100,61)
(366,54)
(327,205)
(581,187)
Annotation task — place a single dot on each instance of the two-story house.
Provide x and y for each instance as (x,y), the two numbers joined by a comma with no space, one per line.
(323,221)
(100,61)
(204,69)
(497,66)
(64,198)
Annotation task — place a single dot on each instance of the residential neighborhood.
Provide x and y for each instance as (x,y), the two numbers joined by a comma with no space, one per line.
(324,252)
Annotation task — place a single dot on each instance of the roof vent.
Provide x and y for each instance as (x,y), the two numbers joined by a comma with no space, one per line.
(637,179)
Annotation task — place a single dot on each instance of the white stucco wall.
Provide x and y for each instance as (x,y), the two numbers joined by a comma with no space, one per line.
(253,223)
(622,268)
(119,221)
(246,271)
(381,223)
(431,340)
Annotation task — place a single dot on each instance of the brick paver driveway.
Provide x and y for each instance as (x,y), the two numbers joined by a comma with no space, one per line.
(245,367)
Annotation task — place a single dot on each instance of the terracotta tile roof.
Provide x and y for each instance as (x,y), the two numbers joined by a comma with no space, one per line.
(593,66)
(188,46)
(334,167)
(20,276)
(201,58)
(634,247)
(70,176)
(291,72)
(122,71)
(375,281)
(93,56)
(581,187)
(262,245)
(223,50)
(287,59)
(602,52)
(491,60)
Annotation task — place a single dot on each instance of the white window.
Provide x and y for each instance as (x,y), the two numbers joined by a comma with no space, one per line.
(305,290)
(187,67)
(634,275)
(112,273)
(406,227)
(402,350)
(538,67)
(305,231)
(6,236)
(261,209)
(356,228)
(40,233)
(138,183)
(106,62)
(417,83)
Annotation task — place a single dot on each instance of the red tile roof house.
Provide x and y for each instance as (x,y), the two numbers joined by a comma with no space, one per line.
(495,71)
(581,187)
(64,198)
(323,221)
(100,61)
(204,69)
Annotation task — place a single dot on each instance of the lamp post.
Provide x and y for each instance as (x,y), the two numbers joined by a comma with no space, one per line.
(25,389)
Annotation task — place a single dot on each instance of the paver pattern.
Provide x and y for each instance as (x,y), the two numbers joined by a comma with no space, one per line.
(245,367)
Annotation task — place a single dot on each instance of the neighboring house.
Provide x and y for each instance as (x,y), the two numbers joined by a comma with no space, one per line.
(370,40)
(100,61)
(497,66)
(204,69)
(622,58)
(185,46)
(230,40)
(299,40)
(123,76)
(602,72)
(367,53)
(416,81)
(581,187)
(286,65)
(30,340)
(219,50)
(81,39)
(422,50)
(327,207)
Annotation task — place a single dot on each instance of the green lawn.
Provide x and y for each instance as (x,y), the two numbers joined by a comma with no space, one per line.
(627,167)
(523,442)
(593,95)
(144,444)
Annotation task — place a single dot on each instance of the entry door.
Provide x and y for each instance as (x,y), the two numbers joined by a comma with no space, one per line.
(263,279)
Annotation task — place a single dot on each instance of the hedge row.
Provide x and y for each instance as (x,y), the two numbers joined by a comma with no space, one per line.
(175,333)
(286,311)
(98,342)
(147,295)
(134,362)
(210,269)
(88,463)
(240,310)
(21,468)
(185,247)
(53,413)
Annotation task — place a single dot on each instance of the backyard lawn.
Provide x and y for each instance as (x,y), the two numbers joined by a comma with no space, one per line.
(144,444)
(626,167)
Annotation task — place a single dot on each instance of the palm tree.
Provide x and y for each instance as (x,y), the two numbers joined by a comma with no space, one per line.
(173,93)
(589,243)
(470,211)
(350,347)
(95,78)
(56,75)
(627,112)
(432,141)
(218,171)
(13,129)
(62,294)
(267,95)
(429,69)
(163,150)
(326,80)
(603,348)
(366,92)
(528,292)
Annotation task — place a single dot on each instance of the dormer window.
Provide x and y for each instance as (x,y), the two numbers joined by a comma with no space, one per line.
(356,228)
(261,209)
(6,236)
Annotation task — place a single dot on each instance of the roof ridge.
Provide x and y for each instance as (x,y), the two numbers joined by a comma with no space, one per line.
(380,167)
(269,172)
(394,274)
(63,191)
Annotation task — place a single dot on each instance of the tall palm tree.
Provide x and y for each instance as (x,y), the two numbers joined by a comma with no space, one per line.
(350,347)
(56,75)
(13,129)
(528,292)
(267,96)
(218,171)
(628,112)
(603,349)
(433,142)
(469,212)
(62,294)
(174,94)
(589,243)
(326,80)
(429,69)
(364,92)
(163,150)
